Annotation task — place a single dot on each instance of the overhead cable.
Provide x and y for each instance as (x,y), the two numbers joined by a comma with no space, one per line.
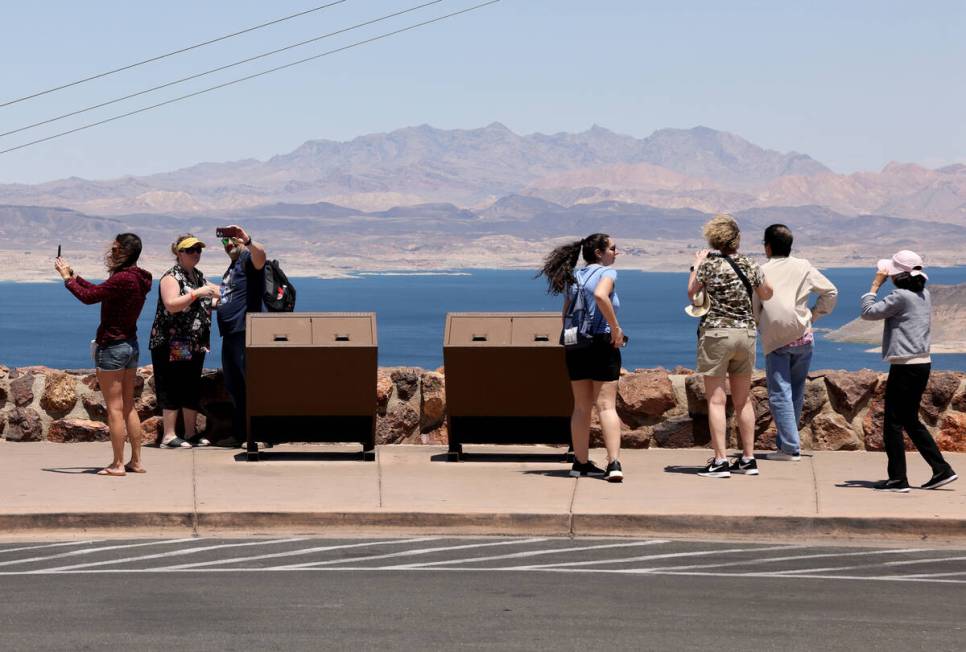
(170,54)
(248,77)
(218,69)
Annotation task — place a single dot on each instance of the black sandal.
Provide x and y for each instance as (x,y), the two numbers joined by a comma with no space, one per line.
(176,442)
(199,440)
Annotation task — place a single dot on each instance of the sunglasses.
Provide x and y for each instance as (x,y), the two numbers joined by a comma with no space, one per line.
(192,250)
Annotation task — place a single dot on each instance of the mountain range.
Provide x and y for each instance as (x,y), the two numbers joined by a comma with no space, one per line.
(698,168)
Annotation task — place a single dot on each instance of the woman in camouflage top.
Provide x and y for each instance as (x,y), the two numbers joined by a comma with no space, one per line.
(726,340)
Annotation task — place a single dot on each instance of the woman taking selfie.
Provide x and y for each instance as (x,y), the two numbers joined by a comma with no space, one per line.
(180,338)
(116,354)
(907,312)
(594,365)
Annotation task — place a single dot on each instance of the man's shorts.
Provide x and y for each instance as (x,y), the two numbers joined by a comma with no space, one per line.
(114,356)
(726,351)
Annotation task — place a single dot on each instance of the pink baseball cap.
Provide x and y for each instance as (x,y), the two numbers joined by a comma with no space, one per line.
(902,261)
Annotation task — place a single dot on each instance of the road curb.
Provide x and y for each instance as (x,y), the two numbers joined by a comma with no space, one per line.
(487,523)
(784,527)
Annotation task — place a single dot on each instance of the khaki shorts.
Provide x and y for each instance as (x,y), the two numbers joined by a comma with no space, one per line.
(723,351)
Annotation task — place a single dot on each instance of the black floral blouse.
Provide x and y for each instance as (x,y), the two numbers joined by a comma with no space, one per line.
(193,324)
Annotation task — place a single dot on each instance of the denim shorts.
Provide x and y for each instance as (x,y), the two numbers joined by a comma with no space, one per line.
(115,356)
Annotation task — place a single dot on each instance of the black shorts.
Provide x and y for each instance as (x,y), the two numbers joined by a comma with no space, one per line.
(600,361)
(177,384)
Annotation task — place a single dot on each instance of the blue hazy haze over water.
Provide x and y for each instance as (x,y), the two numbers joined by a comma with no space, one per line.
(42,323)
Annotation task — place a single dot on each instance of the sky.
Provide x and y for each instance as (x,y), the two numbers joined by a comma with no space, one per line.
(853,84)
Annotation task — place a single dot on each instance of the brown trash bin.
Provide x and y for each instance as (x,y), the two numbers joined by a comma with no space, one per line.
(506,380)
(311,377)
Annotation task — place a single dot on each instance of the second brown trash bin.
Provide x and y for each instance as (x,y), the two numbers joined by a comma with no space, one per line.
(311,377)
(506,380)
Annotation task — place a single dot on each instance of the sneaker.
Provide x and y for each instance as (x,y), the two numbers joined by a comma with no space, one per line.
(716,470)
(940,479)
(747,468)
(782,456)
(614,473)
(585,469)
(898,486)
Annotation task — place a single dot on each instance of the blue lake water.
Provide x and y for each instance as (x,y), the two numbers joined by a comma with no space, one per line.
(42,323)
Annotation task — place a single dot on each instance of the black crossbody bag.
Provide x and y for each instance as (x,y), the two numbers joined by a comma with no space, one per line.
(744,281)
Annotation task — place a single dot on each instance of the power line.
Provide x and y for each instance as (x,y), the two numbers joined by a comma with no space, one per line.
(218,69)
(248,77)
(171,54)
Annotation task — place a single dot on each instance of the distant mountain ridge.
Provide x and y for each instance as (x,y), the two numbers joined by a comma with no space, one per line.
(698,168)
(417,165)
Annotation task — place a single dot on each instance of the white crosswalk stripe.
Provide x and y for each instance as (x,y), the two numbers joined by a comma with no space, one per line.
(408,553)
(293,553)
(90,551)
(529,553)
(746,561)
(652,557)
(62,544)
(170,553)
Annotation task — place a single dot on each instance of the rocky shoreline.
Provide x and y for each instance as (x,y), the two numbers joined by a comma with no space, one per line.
(658,408)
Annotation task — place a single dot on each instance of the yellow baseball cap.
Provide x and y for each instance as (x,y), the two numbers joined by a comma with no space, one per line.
(188,243)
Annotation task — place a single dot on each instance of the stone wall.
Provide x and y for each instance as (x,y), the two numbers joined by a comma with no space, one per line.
(843,409)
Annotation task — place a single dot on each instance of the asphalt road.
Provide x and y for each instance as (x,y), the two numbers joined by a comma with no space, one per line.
(489,593)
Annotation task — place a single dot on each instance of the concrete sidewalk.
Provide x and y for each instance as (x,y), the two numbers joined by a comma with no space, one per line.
(47,487)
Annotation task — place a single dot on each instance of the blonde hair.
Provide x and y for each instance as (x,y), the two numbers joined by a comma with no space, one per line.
(181,238)
(722,233)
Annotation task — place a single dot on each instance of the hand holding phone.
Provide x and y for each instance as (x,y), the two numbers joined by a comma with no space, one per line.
(226,232)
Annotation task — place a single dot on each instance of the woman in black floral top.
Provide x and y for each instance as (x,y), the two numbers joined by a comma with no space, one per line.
(726,340)
(180,338)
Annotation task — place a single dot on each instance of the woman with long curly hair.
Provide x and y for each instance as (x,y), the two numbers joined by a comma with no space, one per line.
(116,355)
(594,363)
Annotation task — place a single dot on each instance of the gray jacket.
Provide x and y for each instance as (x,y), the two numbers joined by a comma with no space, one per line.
(907,317)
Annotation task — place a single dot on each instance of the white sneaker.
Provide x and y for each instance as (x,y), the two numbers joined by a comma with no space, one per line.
(781,456)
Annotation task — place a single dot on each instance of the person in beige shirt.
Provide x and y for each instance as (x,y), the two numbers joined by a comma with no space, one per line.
(785,323)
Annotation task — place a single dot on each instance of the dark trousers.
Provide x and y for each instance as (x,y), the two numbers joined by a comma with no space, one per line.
(177,384)
(904,390)
(233,367)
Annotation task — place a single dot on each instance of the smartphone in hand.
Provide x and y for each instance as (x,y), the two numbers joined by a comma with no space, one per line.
(227,232)
(58,251)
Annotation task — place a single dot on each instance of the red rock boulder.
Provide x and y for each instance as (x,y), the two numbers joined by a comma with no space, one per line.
(850,390)
(643,396)
(24,424)
(59,395)
(831,432)
(77,430)
(942,386)
(432,401)
(952,432)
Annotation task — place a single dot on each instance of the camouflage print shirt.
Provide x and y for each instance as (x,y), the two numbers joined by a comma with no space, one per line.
(730,303)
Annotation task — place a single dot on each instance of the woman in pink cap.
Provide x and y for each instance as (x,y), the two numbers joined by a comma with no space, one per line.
(905,344)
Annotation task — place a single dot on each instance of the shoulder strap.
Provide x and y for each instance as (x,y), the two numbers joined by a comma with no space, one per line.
(580,287)
(741,275)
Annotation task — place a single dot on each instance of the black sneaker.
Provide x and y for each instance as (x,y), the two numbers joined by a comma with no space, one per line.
(585,469)
(748,468)
(940,479)
(898,486)
(716,470)
(614,473)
